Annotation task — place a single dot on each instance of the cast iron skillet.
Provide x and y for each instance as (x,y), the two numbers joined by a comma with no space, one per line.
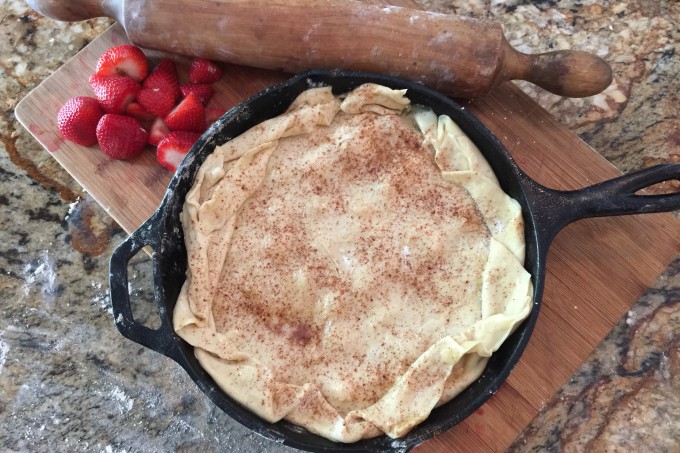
(546,211)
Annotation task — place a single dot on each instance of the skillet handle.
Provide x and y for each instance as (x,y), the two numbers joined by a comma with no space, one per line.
(617,196)
(161,339)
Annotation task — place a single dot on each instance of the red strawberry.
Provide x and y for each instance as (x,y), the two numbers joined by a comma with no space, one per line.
(189,115)
(212,115)
(174,147)
(164,78)
(126,60)
(157,132)
(114,93)
(120,136)
(204,71)
(138,112)
(204,91)
(157,101)
(78,119)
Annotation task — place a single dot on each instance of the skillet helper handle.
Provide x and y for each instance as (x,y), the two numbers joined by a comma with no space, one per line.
(159,340)
(618,196)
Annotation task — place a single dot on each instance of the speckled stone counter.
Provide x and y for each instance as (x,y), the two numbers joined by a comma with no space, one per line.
(70,382)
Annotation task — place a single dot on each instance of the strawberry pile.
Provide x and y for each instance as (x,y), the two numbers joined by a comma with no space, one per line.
(133,108)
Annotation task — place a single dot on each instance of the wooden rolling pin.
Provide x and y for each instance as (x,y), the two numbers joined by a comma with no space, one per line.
(458,56)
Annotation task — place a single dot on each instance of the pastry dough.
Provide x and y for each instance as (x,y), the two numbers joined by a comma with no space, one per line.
(352,264)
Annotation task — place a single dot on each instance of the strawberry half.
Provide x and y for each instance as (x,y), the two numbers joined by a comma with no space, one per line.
(125,60)
(157,101)
(139,113)
(174,148)
(157,132)
(164,78)
(78,119)
(204,71)
(120,136)
(114,93)
(204,91)
(189,115)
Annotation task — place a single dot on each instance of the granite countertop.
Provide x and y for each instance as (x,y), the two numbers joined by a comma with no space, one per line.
(68,381)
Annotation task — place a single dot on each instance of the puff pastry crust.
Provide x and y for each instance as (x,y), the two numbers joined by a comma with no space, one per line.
(352,264)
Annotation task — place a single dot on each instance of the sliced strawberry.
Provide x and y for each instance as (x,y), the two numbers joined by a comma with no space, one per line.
(164,78)
(120,136)
(189,115)
(204,71)
(78,118)
(114,93)
(157,101)
(204,91)
(126,60)
(174,147)
(157,132)
(135,110)
(212,115)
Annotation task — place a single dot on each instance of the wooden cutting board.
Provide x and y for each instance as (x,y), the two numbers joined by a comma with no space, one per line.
(596,268)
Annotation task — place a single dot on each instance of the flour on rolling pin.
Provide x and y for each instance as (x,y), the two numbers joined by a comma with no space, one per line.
(459,56)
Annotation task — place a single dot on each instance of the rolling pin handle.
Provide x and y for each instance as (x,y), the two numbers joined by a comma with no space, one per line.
(571,73)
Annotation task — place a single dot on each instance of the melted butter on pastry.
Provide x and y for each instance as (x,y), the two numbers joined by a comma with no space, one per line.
(352,263)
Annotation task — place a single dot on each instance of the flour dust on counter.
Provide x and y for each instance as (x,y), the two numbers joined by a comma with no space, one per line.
(66,379)
(40,274)
(4,349)
(101,297)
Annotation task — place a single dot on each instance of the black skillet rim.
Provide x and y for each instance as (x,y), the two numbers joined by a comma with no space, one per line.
(169,271)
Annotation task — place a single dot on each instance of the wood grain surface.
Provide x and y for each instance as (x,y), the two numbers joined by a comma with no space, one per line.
(596,268)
